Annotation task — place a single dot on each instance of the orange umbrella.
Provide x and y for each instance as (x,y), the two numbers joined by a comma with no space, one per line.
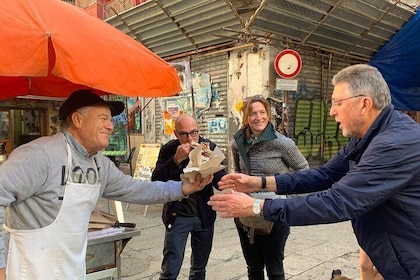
(51,48)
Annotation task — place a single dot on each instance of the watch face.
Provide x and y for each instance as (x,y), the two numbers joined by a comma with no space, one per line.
(256,207)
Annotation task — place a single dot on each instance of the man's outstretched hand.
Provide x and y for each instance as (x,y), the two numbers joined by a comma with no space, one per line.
(233,204)
(240,182)
(198,185)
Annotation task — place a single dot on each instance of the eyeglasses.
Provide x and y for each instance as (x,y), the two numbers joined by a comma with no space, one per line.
(336,103)
(185,135)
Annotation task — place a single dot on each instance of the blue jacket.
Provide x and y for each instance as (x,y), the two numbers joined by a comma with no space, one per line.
(375,182)
(166,169)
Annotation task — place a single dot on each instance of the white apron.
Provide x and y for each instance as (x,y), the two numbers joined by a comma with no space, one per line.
(58,250)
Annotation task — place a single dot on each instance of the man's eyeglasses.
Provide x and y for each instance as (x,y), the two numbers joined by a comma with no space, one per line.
(184,135)
(336,103)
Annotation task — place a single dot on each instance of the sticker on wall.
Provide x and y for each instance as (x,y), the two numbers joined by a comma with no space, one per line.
(202,93)
(217,125)
(173,107)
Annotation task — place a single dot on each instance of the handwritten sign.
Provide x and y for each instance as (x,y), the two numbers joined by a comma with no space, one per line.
(146,161)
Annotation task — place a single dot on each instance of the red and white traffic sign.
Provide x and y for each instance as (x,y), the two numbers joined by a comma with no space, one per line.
(288,64)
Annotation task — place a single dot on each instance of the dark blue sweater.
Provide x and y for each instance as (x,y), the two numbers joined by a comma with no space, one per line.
(375,182)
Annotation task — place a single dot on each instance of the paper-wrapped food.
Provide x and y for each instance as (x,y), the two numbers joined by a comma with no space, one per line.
(206,152)
(203,161)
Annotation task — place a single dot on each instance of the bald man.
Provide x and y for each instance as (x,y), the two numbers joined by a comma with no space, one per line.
(190,215)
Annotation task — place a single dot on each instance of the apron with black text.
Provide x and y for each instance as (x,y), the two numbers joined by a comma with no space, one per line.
(58,250)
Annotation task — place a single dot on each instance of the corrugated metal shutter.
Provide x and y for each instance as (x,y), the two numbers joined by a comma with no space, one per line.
(216,67)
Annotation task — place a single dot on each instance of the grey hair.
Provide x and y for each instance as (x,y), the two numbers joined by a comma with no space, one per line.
(363,79)
(67,122)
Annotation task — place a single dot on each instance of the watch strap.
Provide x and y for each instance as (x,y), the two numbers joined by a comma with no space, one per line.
(263,183)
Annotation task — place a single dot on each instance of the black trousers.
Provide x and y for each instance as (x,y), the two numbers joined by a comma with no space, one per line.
(266,251)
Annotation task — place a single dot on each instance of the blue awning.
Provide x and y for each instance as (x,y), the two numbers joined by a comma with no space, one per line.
(399,62)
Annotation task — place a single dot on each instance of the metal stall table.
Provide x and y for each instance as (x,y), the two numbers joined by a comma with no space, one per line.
(103,255)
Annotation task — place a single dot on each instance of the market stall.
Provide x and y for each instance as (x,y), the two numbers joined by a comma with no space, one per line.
(69,51)
(103,256)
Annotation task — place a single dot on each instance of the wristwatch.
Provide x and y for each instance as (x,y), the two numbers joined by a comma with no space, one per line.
(256,208)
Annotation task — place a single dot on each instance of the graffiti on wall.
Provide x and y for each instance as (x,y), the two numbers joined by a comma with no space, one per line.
(304,91)
(317,134)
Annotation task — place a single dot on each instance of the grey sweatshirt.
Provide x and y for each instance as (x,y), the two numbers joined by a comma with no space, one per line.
(31,184)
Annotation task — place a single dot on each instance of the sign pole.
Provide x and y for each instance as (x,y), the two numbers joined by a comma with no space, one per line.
(284,113)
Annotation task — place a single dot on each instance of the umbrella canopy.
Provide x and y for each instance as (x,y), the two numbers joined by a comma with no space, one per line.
(51,48)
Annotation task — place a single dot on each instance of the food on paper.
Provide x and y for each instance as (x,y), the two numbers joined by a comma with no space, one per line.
(204,162)
(205,146)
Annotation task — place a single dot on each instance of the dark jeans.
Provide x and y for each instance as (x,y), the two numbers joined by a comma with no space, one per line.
(174,248)
(267,250)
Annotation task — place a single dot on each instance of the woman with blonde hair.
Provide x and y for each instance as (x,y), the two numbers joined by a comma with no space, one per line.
(259,150)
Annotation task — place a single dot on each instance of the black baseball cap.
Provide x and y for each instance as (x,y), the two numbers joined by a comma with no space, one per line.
(83,98)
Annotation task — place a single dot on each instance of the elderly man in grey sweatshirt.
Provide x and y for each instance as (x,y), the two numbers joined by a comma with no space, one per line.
(50,186)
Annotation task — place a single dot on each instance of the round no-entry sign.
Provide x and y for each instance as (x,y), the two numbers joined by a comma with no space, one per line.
(288,64)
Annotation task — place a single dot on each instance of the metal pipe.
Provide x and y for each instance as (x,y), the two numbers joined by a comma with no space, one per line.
(168,58)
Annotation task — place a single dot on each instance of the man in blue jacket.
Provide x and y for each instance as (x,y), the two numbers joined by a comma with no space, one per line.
(374,180)
(188,215)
